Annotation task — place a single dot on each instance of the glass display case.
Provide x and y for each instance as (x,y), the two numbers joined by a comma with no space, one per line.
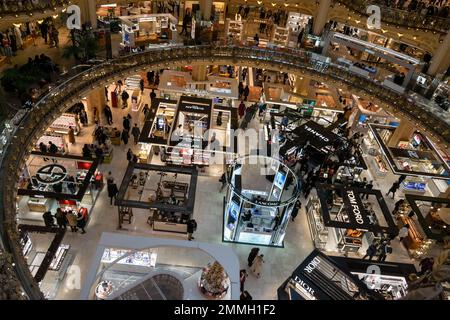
(141,258)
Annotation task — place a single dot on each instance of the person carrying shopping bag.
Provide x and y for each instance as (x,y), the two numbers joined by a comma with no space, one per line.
(257,265)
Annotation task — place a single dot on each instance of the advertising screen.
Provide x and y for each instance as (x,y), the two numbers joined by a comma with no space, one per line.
(280,179)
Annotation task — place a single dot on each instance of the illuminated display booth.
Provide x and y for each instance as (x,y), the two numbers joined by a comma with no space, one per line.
(319,277)
(429,221)
(415,157)
(148,29)
(73,183)
(261,195)
(342,220)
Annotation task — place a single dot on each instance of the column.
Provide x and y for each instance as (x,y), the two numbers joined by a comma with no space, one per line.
(205,9)
(88,12)
(441,59)
(403,132)
(321,16)
(199,74)
(301,86)
(96,98)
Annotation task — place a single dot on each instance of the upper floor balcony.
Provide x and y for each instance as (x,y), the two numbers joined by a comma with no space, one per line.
(16,8)
(416,16)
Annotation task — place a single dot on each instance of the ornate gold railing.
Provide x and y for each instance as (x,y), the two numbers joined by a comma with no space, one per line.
(70,91)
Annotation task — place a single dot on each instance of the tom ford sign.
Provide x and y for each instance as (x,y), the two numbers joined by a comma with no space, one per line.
(355,208)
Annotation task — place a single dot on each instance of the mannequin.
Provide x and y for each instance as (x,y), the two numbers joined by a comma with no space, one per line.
(18,35)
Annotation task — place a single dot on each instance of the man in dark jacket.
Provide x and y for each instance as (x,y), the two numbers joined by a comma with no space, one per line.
(126,124)
(48,219)
(108,115)
(191,227)
(135,132)
(124,136)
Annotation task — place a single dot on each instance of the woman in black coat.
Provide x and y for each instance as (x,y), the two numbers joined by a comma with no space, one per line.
(253,253)
(112,191)
(81,222)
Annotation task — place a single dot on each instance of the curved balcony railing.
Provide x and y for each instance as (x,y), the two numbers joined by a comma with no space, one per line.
(18,7)
(70,91)
(400,17)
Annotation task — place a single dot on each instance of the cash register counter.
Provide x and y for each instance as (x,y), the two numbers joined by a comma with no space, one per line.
(169,222)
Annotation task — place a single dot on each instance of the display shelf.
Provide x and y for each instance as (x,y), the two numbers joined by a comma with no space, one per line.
(141,258)
(62,124)
(319,233)
(235,29)
(280,36)
(59,257)
(133,82)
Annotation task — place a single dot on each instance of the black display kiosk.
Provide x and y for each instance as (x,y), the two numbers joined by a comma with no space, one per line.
(168,192)
(319,277)
(342,220)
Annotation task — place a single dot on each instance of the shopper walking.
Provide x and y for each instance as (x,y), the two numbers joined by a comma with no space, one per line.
(403,232)
(246,92)
(61,219)
(83,118)
(43,149)
(296,209)
(426,265)
(240,90)
(108,115)
(130,155)
(136,132)
(112,192)
(72,220)
(48,219)
(71,135)
(252,255)
(191,227)
(243,276)
(81,222)
(385,249)
(223,180)
(393,189)
(241,110)
(371,251)
(257,265)
(125,136)
(369,186)
(152,95)
(141,86)
(125,97)
(126,124)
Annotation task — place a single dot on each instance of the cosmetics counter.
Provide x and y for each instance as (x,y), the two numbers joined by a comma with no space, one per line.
(62,124)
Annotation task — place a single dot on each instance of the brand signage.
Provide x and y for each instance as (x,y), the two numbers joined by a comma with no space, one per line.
(51,174)
(316,134)
(304,285)
(312,265)
(355,208)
